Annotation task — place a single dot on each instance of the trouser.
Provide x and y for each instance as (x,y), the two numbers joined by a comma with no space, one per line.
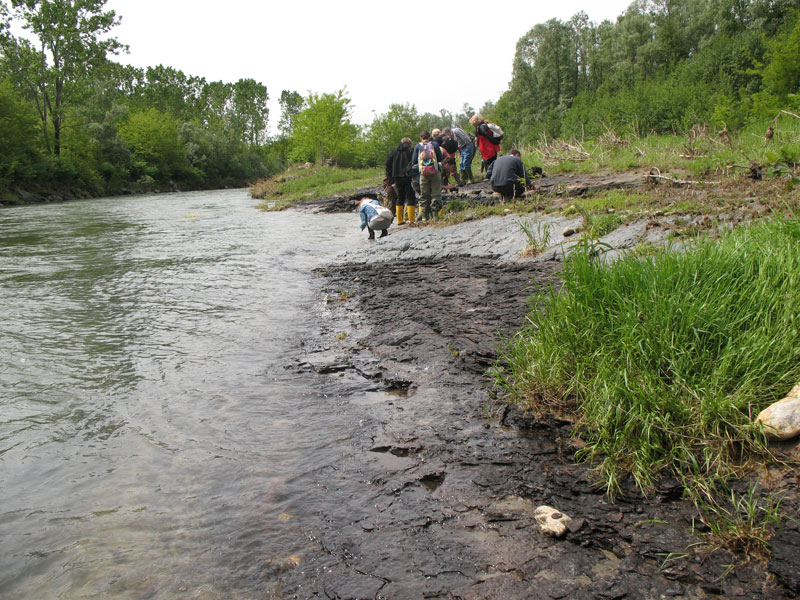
(485,164)
(430,191)
(405,193)
(415,184)
(510,190)
(467,153)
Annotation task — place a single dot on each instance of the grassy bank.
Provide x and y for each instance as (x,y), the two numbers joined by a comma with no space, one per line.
(663,362)
(283,190)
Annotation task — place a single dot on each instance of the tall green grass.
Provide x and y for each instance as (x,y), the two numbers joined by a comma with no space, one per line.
(664,361)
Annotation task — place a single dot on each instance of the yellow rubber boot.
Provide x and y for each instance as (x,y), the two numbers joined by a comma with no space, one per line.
(411,209)
(399,209)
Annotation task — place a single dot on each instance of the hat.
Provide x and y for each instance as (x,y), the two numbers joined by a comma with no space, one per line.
(436,132)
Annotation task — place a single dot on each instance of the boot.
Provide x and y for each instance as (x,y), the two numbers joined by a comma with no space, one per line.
(469,175)
(384,233)
(411,209)
(399,209)
(459,180)
(371,233)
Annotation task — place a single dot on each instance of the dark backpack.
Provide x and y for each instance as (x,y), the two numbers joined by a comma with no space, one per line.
(450,144)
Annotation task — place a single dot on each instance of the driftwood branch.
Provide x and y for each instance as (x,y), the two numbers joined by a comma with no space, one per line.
(655,174)
(791,113)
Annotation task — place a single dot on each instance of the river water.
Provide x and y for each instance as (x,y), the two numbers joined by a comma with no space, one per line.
(153,442)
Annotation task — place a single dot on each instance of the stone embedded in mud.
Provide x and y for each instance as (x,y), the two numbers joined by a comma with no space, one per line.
(782,420)
(568,231)
(551,522)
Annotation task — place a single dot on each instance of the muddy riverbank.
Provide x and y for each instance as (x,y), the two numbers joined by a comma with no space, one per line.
(449,477)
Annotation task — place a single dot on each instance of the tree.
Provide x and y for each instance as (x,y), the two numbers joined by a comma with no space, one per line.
(170,91)
(156,149)
(250,112)
(782,73)
(214,104)
(291,105)
(323,129)
(70,41)
(389,128)
(19,154)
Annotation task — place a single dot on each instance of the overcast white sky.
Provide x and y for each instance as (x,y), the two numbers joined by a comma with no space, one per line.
(378,50)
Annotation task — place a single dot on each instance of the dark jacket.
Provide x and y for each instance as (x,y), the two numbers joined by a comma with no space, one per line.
(507,169)
(483,130)
(398,160)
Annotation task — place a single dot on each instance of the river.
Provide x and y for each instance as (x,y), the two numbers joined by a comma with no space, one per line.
(153,441)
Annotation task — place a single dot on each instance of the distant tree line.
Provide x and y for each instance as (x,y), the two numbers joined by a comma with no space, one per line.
(664,66)
(72,119)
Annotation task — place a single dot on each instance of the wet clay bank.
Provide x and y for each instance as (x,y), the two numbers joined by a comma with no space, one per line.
(437,499)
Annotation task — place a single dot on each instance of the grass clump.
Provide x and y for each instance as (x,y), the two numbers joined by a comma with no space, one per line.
(663,361)
(742,521)
(538,237)
(281,191)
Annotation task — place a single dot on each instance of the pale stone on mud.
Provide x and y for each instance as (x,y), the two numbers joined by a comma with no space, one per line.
(782,419)
(551,522)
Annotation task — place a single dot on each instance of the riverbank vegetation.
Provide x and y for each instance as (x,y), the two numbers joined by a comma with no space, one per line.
(288,188)
(707,71)
(74,123)
(663,362)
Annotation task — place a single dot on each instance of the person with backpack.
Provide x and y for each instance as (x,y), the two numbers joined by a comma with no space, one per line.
(428,157)
(397,166)
(489,139)
(466,149)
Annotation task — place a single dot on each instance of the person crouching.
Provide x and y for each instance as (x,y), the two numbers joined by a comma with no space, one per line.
(505,174)
(374,216)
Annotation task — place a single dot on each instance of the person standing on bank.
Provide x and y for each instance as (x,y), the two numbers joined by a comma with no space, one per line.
(398,162)
(505,174)
(466,149)
(488,143)
(428,157)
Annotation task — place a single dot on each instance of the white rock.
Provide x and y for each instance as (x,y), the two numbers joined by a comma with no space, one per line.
(551,521)
(782,419)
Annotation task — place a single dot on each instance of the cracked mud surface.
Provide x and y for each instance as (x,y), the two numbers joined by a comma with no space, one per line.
(436,497)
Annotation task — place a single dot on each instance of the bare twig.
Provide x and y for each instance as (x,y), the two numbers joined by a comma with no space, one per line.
(655,174)
(790,113)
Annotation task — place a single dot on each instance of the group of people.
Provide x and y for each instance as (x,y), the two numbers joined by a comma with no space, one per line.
(424,169)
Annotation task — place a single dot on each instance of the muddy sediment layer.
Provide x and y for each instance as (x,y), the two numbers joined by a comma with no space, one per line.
(450,477)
